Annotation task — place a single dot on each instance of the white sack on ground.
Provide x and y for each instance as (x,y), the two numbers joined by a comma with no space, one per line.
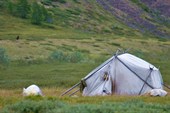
(158,92)
(32,90)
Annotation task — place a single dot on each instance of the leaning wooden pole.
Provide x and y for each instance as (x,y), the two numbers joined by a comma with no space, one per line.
(70,89)
(74,92)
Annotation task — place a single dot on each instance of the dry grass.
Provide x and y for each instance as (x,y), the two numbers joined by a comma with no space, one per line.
(12,96)
(41,49)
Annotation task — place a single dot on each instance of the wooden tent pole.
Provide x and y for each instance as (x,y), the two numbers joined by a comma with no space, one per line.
(74,92)
(70,89)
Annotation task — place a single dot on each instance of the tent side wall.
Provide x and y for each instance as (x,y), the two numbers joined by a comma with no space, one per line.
(146,73)
(126,82)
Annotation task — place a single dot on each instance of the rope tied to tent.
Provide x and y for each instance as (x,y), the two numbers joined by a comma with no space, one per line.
(105,76)
(82,85)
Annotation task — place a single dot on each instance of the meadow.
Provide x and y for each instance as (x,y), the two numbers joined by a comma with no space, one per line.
(41,62)
(56,56)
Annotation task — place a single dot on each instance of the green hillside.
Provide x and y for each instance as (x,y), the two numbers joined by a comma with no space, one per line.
(55,43)
(80,30)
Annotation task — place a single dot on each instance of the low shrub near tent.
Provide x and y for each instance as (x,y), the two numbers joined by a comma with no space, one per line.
(74,57)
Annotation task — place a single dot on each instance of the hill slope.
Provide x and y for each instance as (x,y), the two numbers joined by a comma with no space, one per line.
(83,27)
(147,16)
(119,17)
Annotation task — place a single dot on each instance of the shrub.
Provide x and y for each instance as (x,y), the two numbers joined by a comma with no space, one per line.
(40,14)
(54,106)
(142,5)
(4,59)
(132,106)
(74,57)
(2,4)
(57,55)
(46,2)
(37,14)
(61,1)
(32,106)
(23,8)
(76,1)
(12,8)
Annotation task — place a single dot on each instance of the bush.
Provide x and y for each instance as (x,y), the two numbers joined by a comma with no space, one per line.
(46,2)
(4,59)
(40,14)
(132,106)
(2,4)
(37,15)
(32,106)
(54,106)
(74,57)
(49,2)
(57,55)
(23,8)
(76,1)
(61,1)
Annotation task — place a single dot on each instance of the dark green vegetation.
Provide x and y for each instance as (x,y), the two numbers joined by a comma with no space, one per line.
(54,43)
(35,105)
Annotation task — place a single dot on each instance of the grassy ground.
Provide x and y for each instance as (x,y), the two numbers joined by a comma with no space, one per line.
(13,98)
(30,65)
(29,56)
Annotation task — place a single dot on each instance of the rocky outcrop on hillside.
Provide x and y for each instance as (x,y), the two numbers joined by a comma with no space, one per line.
(163,6)
(138,15)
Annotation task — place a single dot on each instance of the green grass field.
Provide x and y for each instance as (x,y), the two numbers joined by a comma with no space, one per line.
(29,61)
(30,64)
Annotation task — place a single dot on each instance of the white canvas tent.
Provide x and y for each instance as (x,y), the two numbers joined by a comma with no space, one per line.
(123,74)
